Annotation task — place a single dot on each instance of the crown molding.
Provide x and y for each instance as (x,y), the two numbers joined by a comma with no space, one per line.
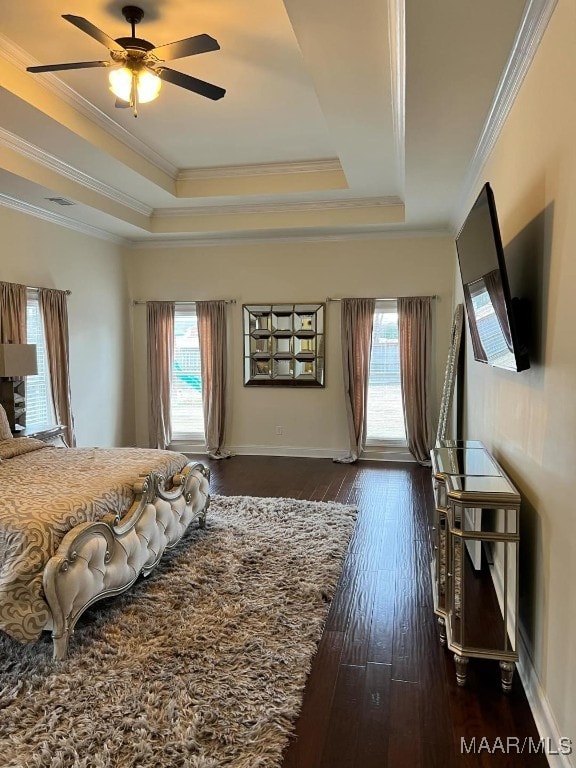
(260,169)
(536,16)
(21,59)
(397,24)
(282,236)
(288,207)
(57,218)
(31,151)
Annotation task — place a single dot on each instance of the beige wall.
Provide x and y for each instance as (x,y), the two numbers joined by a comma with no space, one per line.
(41,254)
(529,419)
(313,420)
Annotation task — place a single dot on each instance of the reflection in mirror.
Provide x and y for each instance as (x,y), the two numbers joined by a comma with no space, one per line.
(282,346)
(283,368)
(282,322)
(258,369)
(259,347)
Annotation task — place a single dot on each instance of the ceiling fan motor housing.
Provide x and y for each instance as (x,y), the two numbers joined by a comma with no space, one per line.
(134,43)
(133,16)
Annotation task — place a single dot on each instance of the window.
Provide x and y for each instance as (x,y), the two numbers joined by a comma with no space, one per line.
(39,407)
(186,412)
(385,418)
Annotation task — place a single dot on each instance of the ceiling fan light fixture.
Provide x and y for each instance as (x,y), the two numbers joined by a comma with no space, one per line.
(147,83)
(137,66)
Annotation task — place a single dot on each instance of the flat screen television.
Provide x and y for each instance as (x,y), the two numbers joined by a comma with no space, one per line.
(494,318)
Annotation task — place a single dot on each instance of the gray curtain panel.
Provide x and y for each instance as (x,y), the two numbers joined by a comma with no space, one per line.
(12,313)
(54,308)
(212,335)
(415,336)
(160,335)
(357,318)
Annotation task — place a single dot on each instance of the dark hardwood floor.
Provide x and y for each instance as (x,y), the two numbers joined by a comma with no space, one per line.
(382,692)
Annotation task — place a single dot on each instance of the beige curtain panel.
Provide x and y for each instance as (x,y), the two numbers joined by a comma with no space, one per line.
(54,308)
(415,337)
(356,320)
(212,334)
(12,313)
(160,335)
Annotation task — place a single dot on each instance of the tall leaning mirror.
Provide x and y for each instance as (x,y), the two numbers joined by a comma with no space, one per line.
(450,374)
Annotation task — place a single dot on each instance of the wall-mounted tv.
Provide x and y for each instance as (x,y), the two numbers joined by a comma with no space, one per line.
(494,318)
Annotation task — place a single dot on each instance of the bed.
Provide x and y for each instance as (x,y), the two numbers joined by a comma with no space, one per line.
(81,524)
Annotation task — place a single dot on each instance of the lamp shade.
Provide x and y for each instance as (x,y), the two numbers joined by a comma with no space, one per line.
(18,360)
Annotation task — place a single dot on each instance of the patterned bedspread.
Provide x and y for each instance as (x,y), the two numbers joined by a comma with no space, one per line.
(44,493)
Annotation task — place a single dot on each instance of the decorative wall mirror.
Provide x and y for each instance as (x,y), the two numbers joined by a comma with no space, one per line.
(284,345)
(450,374)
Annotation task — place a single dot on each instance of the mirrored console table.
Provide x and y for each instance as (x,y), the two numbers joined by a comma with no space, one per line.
(475,557)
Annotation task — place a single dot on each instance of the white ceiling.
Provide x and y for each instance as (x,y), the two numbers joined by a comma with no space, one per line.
(338,117)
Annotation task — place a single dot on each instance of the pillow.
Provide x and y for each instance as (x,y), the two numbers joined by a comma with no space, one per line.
(11,448)
(5,431)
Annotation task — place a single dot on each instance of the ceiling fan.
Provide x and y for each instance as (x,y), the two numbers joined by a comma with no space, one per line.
(137,65)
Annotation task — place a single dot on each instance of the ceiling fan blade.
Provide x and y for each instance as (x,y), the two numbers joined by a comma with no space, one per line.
(188,47)
(121,104)
(71,65)
(191,83)
(97,34)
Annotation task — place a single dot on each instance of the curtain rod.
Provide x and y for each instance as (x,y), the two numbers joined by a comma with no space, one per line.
(68,292)
(393,298)
(226,301)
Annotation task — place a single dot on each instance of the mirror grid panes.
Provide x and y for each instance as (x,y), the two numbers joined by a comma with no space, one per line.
(284,344)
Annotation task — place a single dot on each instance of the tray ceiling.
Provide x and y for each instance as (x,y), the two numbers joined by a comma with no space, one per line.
(338,117)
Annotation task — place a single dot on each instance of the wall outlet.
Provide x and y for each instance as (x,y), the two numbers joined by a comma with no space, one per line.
(279,430)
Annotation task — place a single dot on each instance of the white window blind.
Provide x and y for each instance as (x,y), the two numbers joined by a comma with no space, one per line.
(186,412)
(385,417)
(489,328)
(39,408)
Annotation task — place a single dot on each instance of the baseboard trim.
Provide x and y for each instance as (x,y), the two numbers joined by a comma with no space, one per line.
(393,454)
(284,450)
(382,454)
(540,706)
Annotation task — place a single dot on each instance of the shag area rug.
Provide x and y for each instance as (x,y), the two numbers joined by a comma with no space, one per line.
(202,664)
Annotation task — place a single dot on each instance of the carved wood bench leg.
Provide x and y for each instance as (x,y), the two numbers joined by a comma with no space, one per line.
(60,643)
